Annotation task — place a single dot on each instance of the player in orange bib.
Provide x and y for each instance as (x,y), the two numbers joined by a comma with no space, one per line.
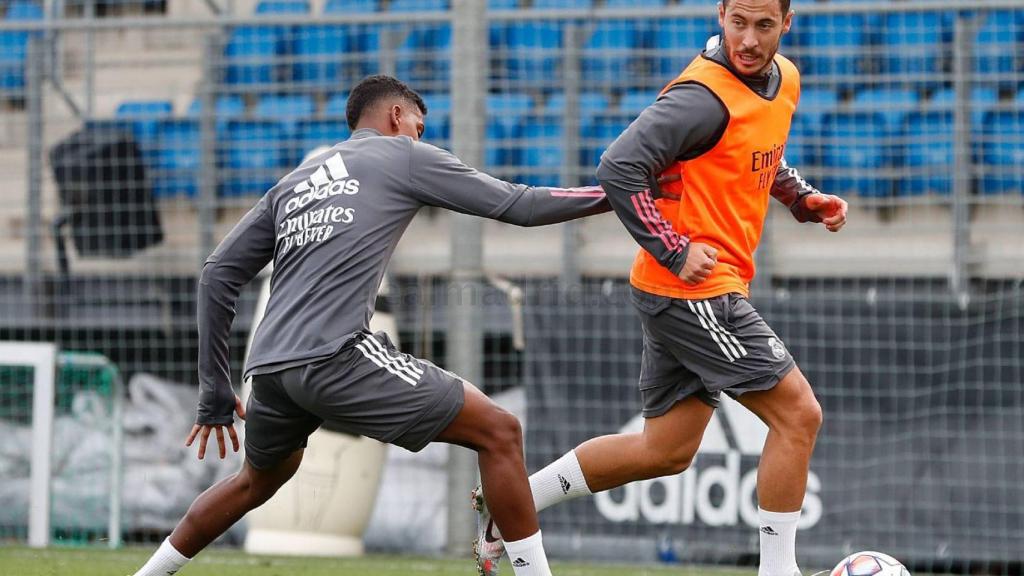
(715,140)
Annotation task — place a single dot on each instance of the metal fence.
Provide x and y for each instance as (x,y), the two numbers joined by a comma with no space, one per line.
(132,141)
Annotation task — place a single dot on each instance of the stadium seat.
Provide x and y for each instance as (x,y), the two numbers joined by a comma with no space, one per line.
(526,50)
(915,45)
(418,5)
(854,147)
(319,132)
(502,4)
(287,110)
(928,153)
(893,104)
(677,41)
(254,155)
(543,153)
(176,164)
(635,3)
(633,103)
(832,45)
(609,54)
(251,53)
(336,106)
(14,46)
(350,6)
(599,133)
(363,40)
(815,103)
(998,46)
(804,143)
(282,7)
(226,108)
(562,4)
(437,130)
(983,99)
(317,51)
(590,103)
(142,116)
(1003,152)
(505,113)
(424,57)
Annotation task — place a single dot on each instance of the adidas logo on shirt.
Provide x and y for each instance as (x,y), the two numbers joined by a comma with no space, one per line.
(565,484)
(520,563)
(330,179)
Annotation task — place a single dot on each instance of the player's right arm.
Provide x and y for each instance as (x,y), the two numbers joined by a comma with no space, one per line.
(438,178)
(683,123)
(238,259)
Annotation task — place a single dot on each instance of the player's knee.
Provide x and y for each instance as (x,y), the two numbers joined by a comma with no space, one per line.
(807,418)
(506,433)
(676,463)
(666,461)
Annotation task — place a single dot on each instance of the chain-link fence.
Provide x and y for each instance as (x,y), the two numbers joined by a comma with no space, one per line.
(134,134)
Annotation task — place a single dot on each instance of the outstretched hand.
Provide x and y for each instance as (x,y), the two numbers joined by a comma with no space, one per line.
(831,209)
(203,432)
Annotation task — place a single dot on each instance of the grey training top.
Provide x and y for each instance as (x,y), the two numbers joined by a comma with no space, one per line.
(330,227)
(682,124)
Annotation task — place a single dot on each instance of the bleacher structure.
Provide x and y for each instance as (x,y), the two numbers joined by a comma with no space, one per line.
(912,110)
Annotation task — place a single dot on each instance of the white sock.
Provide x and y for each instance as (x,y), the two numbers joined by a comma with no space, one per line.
(778,543)
(528,557)
(559,481)
(164,562)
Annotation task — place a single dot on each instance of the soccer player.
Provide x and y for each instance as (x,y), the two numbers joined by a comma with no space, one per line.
(719,131)
(330,228)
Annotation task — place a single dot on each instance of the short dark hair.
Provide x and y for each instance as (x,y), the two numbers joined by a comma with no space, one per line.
(372,90)
(784,4)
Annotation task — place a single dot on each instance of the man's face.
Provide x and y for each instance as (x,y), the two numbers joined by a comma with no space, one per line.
(407,120)
(752,30)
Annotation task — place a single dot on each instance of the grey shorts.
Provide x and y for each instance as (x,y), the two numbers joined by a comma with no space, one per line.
(705,347)
(367,389)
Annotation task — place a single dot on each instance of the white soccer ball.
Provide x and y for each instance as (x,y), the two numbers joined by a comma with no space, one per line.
(869,563)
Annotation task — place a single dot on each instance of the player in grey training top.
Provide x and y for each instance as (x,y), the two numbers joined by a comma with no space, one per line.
(330,228)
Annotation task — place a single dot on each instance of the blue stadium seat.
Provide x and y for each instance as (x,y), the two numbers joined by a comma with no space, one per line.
(854,147)
(562,4)
(915,44)
(254,155)
(320,132)
(142,117)
(317,50)
(983,99)
(336,105)
(505,113)
(590,103)
(999,45)
(418,5)
(423,59)
(251,54)
(894,104)
(363,40)
(282,7)
(350,6)
(526,50)
(678,41)
(833,44)
(815,103)
(928,153)
(609,52)
(634,102)
(1003,152)
(14,46)
(599,133)
(176,165)
(804,143)
(635,3)
(287,110)
(502,4)
(225,108)
(437,125)
(543,154)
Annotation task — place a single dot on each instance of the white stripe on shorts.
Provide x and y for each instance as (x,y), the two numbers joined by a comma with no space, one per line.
(375,357)
(400,361)
(725,333)
(728,343)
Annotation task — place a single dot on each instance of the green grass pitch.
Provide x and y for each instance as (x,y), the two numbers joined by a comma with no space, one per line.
(20,561)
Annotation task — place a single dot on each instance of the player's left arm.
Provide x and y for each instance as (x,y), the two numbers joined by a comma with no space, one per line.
(806,202)
(238,259)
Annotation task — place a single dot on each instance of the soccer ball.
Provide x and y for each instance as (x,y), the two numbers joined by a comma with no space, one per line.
(869,563)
